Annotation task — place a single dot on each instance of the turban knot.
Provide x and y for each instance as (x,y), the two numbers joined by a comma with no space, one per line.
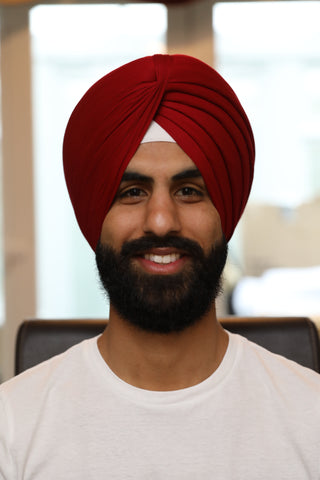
(187,98)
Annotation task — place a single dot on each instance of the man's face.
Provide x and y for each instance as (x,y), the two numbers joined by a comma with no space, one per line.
(161,250)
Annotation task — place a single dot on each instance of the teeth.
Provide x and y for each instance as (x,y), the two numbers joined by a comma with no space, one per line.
(172,257)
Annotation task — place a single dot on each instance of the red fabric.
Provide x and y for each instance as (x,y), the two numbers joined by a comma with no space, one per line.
(191,101)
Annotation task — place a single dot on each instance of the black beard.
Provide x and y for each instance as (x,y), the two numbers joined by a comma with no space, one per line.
(161,303)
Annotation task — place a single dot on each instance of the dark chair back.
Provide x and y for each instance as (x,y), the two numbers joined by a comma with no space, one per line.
(293,337)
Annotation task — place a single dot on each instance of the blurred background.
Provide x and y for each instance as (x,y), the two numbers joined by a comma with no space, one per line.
(269,51)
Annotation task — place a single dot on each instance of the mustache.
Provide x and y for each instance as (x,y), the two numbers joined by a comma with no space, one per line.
(140,245)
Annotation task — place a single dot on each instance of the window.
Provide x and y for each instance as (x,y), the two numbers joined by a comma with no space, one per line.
(270,52)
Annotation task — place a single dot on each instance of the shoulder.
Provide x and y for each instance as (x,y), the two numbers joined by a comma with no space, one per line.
(33,384)
(278,374)
(32,403)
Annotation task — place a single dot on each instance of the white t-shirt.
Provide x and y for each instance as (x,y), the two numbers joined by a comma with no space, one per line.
(256,417)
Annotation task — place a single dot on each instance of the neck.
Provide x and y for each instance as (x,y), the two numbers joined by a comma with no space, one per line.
(163,362)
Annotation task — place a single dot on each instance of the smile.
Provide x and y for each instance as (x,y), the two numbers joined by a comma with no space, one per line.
(162,259)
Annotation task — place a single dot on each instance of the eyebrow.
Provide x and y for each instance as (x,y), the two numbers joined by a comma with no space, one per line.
(185,174)
(136,176)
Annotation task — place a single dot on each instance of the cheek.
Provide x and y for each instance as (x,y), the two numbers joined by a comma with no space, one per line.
(110,229)
(204,226)
(117,228)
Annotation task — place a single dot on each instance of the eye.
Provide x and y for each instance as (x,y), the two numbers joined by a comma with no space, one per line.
(131,195)
(190,193)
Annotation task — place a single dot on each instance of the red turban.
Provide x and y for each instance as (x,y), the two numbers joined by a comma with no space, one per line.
(186,97)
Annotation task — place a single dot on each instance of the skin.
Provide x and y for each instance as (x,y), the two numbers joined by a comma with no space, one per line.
(162,193)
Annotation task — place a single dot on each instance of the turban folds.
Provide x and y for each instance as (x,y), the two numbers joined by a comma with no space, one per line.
(187,98)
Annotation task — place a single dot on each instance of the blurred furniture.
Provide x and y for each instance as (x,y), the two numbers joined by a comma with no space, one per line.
(293,337)
(294,232)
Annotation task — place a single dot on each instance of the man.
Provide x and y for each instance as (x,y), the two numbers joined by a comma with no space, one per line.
(158,159)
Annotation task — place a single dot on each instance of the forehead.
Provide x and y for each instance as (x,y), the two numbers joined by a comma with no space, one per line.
(165,158)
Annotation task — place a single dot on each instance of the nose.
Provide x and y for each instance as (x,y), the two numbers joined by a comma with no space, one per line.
(162,215)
